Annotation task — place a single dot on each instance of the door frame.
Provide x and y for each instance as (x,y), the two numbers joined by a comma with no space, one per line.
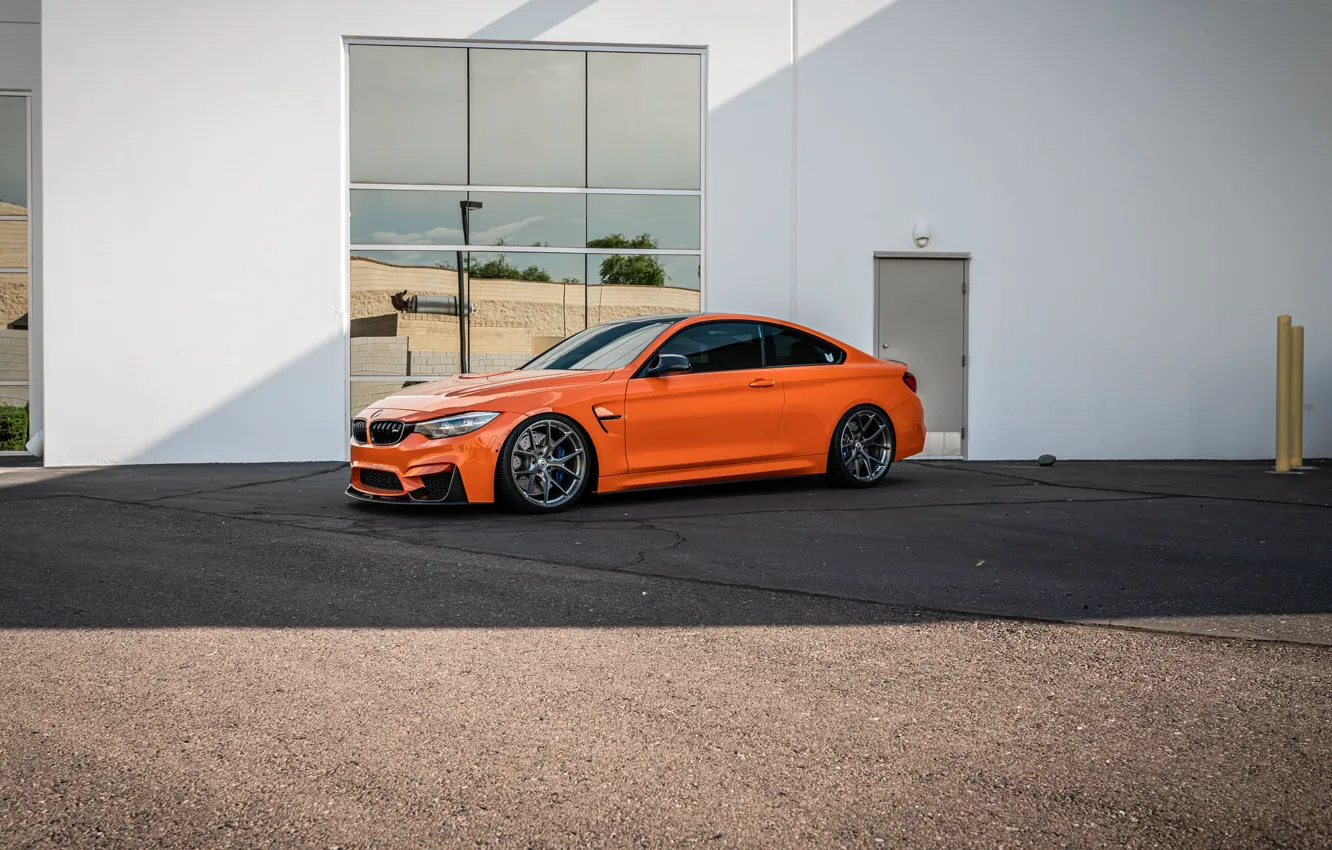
(965,257)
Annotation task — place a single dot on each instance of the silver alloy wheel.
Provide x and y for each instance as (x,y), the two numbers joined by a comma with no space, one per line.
(866,445)
(549,463)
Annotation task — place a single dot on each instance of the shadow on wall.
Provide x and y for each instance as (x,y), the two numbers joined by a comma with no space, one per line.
(244,428)
(530,20)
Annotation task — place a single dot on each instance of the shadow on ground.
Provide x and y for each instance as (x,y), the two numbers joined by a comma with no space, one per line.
(1211,548)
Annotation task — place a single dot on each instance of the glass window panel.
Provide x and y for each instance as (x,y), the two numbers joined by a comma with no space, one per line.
(408,114)
(528,117)
(643,120)
(670,271)
(13,327)
(522,305)
(13,244)
(718,346)
(641,285)
(389,217)
(13,419)
(667,221)
(388,342)
(13,155)
(530,219)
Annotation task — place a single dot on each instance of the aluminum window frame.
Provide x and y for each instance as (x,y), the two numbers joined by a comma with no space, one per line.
(348,186)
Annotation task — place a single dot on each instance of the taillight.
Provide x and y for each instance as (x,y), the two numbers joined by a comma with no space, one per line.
(910,380)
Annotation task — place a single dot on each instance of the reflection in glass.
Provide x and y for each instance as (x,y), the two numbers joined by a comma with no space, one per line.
(603,347)
(389,217)
(388,342)
(13,418)
(643,120)
(408,113)
(669,221)
(528,117)
(13,244)
(13,361)
(523,303)
(627,285)
(529,219)
(718,346)
(13,155)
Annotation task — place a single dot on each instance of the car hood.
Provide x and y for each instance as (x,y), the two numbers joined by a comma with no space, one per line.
(475,392)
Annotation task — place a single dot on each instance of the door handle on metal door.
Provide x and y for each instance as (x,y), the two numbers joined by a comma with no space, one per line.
(760,382)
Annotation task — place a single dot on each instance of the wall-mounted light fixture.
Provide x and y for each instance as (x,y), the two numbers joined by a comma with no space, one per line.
(921,233)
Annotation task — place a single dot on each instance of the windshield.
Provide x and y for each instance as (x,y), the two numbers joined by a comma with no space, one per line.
(608,346)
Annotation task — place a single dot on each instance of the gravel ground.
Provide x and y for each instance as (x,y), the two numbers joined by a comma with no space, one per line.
(937,732)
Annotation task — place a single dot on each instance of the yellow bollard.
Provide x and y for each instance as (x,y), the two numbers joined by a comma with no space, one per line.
(1283,395)
(1297,396)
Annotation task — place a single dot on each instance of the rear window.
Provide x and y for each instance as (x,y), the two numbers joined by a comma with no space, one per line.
(783,346)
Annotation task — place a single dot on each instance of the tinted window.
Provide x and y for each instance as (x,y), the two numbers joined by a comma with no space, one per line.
(785,346)
(528,118)
(405,103)
(718,346)
(644,115)
(607,346)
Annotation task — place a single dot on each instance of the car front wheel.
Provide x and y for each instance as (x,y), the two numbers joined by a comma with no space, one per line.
(545,465)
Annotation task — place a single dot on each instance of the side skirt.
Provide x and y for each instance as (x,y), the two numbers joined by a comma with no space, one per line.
(785,467)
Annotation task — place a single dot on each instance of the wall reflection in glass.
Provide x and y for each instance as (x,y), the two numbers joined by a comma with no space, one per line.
(386,341)
(523,303)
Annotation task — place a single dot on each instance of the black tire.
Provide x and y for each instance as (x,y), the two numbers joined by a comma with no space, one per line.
(531,480)
(864,459)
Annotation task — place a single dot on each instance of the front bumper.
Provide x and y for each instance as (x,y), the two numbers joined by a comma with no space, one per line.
(436,489)
(421,471)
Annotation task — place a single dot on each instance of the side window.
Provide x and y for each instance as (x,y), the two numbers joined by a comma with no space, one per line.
(718,346)
(789,347)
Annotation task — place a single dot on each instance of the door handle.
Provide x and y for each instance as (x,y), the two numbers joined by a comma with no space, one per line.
(760,382)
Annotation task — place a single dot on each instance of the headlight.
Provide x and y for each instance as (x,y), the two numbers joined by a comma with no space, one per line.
(455,425)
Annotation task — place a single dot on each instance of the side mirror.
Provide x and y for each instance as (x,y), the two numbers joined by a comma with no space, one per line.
(667,364)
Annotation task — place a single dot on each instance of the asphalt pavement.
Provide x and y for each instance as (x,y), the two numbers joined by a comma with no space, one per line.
(239,656)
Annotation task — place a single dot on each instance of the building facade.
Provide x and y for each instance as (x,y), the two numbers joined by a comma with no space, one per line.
(1077,221)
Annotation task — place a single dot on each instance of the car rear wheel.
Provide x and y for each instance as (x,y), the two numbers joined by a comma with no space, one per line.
(862,448)
(545,465)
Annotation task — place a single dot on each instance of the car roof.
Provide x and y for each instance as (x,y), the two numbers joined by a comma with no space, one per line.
(679,317)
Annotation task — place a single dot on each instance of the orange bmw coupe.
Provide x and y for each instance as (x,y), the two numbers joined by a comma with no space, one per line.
(643,402)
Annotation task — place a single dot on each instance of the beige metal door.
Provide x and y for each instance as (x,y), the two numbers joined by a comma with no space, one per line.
(922,322)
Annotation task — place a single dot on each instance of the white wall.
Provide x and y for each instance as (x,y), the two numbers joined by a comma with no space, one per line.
(21,70)
(1143,185)
(190,144)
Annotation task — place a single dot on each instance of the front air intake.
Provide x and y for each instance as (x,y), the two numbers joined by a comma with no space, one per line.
(380,479)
